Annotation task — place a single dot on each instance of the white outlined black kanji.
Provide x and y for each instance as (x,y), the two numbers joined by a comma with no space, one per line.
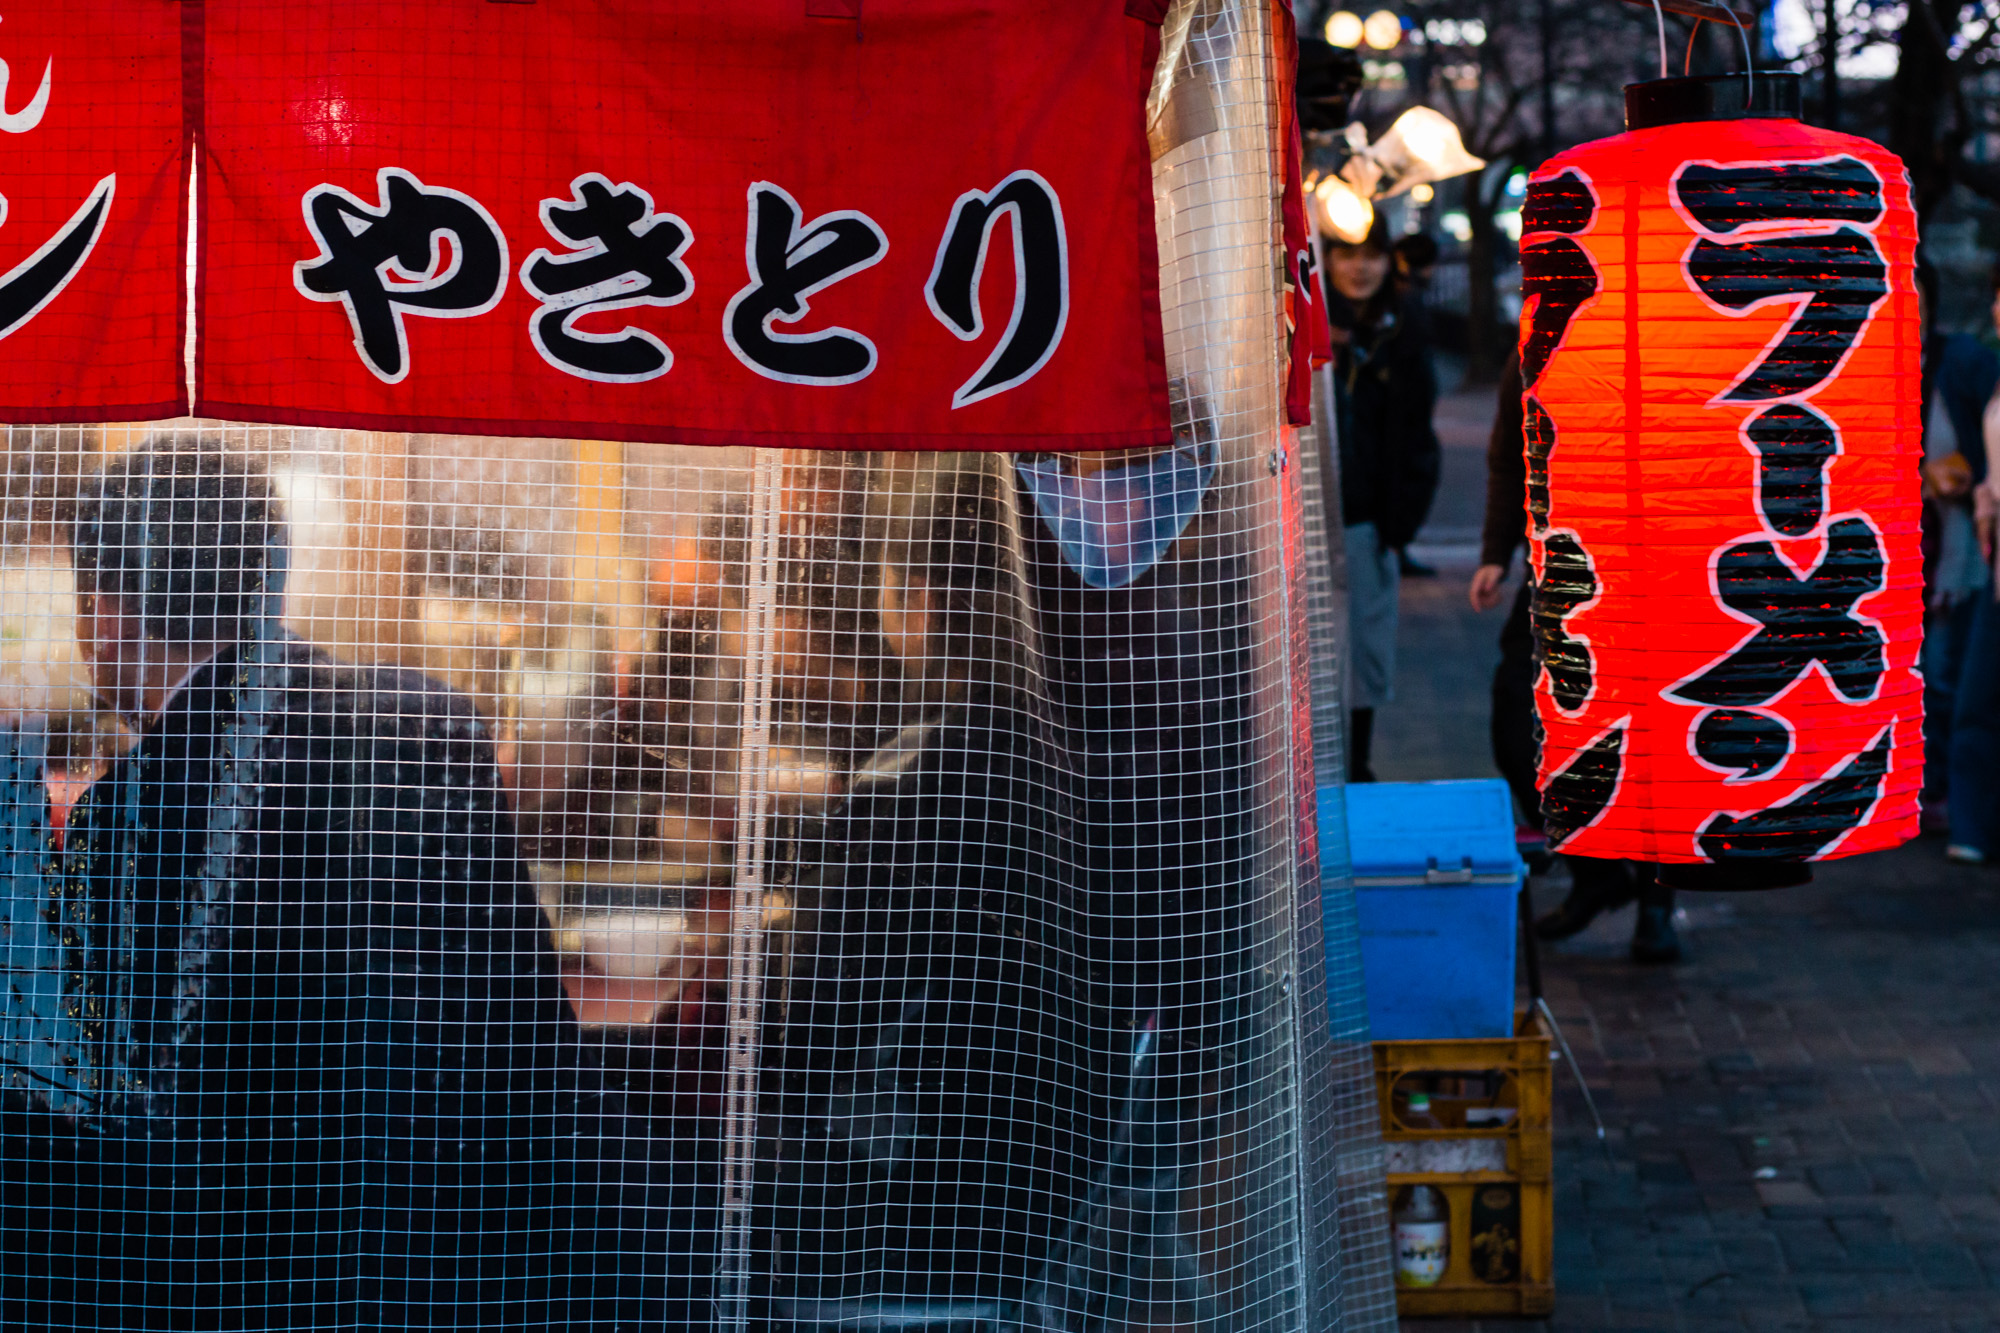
(788,261)
(37,280)
(1041,280)
(625,255)
(363,245)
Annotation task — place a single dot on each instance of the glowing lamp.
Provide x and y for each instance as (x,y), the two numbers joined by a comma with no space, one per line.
(1383,30)
(1343,212)
(1345,29)
(1719,353)
(1421,148)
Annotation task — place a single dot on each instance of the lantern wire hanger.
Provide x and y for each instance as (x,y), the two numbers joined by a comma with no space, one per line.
(1749,62)
(1711,10)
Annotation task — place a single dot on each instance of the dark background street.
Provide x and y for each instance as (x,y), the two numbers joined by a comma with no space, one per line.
(1804,1115)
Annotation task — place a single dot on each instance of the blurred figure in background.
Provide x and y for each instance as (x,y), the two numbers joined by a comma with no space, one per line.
(342,994)
(1961,661)
(932,1074)
(1416,260)
(1596,885)
(1973,760)
(1385,390)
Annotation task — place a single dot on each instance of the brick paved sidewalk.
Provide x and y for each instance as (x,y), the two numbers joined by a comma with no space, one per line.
(1804,1116)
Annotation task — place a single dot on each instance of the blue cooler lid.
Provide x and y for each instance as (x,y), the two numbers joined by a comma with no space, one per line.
(1431,832)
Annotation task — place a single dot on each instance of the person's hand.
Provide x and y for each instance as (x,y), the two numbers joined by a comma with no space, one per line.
(1948,477)
(1985,508)
(1486,581)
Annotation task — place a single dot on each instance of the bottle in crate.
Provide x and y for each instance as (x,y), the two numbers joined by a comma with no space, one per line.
(1496,1234)
(1417,1112)
(1422,1223)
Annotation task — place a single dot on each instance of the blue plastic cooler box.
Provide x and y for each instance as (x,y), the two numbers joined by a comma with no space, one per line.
(1436,881)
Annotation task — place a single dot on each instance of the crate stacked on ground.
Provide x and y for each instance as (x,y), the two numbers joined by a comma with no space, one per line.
(1483,1143)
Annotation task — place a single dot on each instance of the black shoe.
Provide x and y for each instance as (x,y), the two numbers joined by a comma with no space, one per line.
(1595,886)
(1654,939)
(1577,912)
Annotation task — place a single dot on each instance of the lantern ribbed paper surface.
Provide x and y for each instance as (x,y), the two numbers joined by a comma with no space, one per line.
(1719,347)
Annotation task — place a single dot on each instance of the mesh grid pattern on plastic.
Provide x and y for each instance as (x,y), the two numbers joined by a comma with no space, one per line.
(457,882)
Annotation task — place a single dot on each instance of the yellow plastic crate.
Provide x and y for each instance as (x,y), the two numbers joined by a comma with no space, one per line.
(1493,1162)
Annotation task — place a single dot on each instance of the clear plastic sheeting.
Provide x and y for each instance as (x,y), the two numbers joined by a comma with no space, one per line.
(457,882)
(1347,1118)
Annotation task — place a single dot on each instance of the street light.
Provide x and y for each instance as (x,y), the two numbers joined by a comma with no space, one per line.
(1344,212)
(1383,30)
(1452,32)
(1421,148)
(1345,29)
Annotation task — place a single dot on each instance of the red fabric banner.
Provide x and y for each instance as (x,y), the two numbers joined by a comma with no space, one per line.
(1308,337)
(93,209)
(904,224)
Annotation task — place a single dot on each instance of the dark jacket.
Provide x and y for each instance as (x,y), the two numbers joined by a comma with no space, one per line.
(338,1083)
(1966,370)
(1029,998)
(932,1101)
(1384,393)
(1506,523)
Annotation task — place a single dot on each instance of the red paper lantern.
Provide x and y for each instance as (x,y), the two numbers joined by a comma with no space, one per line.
(1719,348)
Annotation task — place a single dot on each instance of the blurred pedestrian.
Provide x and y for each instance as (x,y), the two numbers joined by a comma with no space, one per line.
(1416,257)
(1416,262)
(1385,390)
(1973,782)
(1964,374)
(1597,885)
(340,987)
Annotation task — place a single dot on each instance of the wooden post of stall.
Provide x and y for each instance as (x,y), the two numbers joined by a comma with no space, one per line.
(604,575)
(377,626)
